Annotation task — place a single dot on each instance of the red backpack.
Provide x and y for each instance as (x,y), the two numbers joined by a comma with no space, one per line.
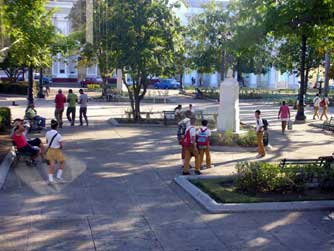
(186,141)
(202,138)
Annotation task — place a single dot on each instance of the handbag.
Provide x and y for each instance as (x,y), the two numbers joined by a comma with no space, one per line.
(290,125)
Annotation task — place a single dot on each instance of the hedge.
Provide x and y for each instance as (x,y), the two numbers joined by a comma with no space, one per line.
(14,88)
(5,118)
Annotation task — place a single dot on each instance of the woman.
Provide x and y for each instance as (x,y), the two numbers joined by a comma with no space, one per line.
(284,115)
(324,104)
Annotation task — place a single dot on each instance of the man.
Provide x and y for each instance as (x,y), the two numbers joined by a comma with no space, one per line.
(33,148)
(60,101)
(72,100)
(316,104)
(31,114)
(259,134)
(54,153)
(83,100)
(190,148)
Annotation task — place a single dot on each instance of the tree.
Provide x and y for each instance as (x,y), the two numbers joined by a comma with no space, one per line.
(302,19)
(137,36)
(30,25)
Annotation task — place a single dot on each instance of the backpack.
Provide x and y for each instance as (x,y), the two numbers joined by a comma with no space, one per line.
(322,103)
(202,139)
(181,131)
(186,140)
(265,124)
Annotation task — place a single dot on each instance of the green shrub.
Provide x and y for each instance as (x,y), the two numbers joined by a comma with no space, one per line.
(228,138)
(14,88)
(248,140)
(5,118)
(93,87)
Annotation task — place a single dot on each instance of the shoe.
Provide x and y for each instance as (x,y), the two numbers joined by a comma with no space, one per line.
(198,172)
(184,173)
(259,156)
(50,183)
(60,180)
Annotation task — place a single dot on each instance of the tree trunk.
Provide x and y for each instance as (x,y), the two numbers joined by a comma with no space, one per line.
(300,114)
(306,79)
(181,80)
(327,69)
(30,85)
(137,107)
(222,70)
(40,84)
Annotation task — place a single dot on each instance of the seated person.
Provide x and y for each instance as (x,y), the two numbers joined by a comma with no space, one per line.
(33,148)
(31,114)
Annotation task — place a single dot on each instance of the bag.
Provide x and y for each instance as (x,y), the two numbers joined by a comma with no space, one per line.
(181,131)
(186,140)
(265,124)
(49,145)
(265,138)
(202,139)
(322,103)
(290,125)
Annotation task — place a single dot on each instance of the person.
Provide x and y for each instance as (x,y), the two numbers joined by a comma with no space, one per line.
(31,114)
(54,153)
(203,143)
(259,134)
(83,100)
(33,148)
(178,113)
(190,112)
(199,94)
(284,115)
(60,101)
(72,100)
(324,104)
(182,127)
(190,148)
(316,104)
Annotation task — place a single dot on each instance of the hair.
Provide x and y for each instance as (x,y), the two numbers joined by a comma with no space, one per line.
(54,124)
(317,94)
(70,91)
(81,90)
(60,91)
(190,105)
(204,122)
(258,112)
(192,120)
(283,103)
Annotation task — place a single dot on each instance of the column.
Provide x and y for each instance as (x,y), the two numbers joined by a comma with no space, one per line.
(272,81)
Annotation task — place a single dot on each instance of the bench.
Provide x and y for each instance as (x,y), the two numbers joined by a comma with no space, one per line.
(328,125)
(22,156)
(146,114)
(169,118)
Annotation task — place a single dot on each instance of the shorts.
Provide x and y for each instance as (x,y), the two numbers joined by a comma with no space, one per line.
(35,142)
(284,119)
(29,150)
(55,154)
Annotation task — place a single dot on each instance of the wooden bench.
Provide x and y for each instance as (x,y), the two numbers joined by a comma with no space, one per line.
(328,125)
(22,156)
(147,115)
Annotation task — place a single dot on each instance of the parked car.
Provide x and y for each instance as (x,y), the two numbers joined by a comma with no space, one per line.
(47,80)
(167,84)
(87,81)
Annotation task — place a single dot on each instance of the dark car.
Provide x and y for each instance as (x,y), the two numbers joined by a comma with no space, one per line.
(47,81)
(167,84)
(87,81)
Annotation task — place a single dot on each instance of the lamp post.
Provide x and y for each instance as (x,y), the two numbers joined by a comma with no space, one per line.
(320,85)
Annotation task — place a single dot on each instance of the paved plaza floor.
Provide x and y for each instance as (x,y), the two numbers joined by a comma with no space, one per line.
(120,193)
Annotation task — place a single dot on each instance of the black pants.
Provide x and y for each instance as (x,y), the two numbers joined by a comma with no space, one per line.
(70,114)
(59,116)
(83,112)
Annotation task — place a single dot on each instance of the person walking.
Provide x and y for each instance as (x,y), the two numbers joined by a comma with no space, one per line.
(324,104)
(316,104)
(178,113)
(284,115)
(259,134)
(72,100)
(54,153)
(60,101)
(190,148)
(203,143)
(83,100)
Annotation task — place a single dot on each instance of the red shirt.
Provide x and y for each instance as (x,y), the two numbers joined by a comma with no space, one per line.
(20,141)
(60,101)
(284,112)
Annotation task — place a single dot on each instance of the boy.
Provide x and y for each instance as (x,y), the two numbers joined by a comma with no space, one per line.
(190,148)
(72,100)
(54,152)
(83,100)
(259,134)
(203,143)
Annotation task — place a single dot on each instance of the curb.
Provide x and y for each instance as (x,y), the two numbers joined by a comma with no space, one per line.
(213,207)
(5,166)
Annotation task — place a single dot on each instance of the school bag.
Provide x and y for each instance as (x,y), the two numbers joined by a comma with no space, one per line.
(265,124)
(186,140)
(202,139)
(181,131)
(322,103)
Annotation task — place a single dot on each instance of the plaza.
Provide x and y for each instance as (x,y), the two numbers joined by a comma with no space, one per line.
(121,194)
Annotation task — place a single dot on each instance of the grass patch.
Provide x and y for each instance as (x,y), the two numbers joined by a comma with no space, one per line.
(223,190)
(5,144)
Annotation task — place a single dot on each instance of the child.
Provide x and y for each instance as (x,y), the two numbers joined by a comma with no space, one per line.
(54,152)
(260,127)
(203,143)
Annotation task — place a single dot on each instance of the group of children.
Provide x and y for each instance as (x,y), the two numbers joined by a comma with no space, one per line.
(34,148)
(195,143)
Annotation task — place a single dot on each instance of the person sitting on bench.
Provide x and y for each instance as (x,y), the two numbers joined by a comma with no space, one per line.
(33,148)
(31,114)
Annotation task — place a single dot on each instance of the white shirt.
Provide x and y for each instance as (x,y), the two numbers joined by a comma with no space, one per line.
(207,132)
(56,142)
(192,131)
(316,101)
(259,124)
